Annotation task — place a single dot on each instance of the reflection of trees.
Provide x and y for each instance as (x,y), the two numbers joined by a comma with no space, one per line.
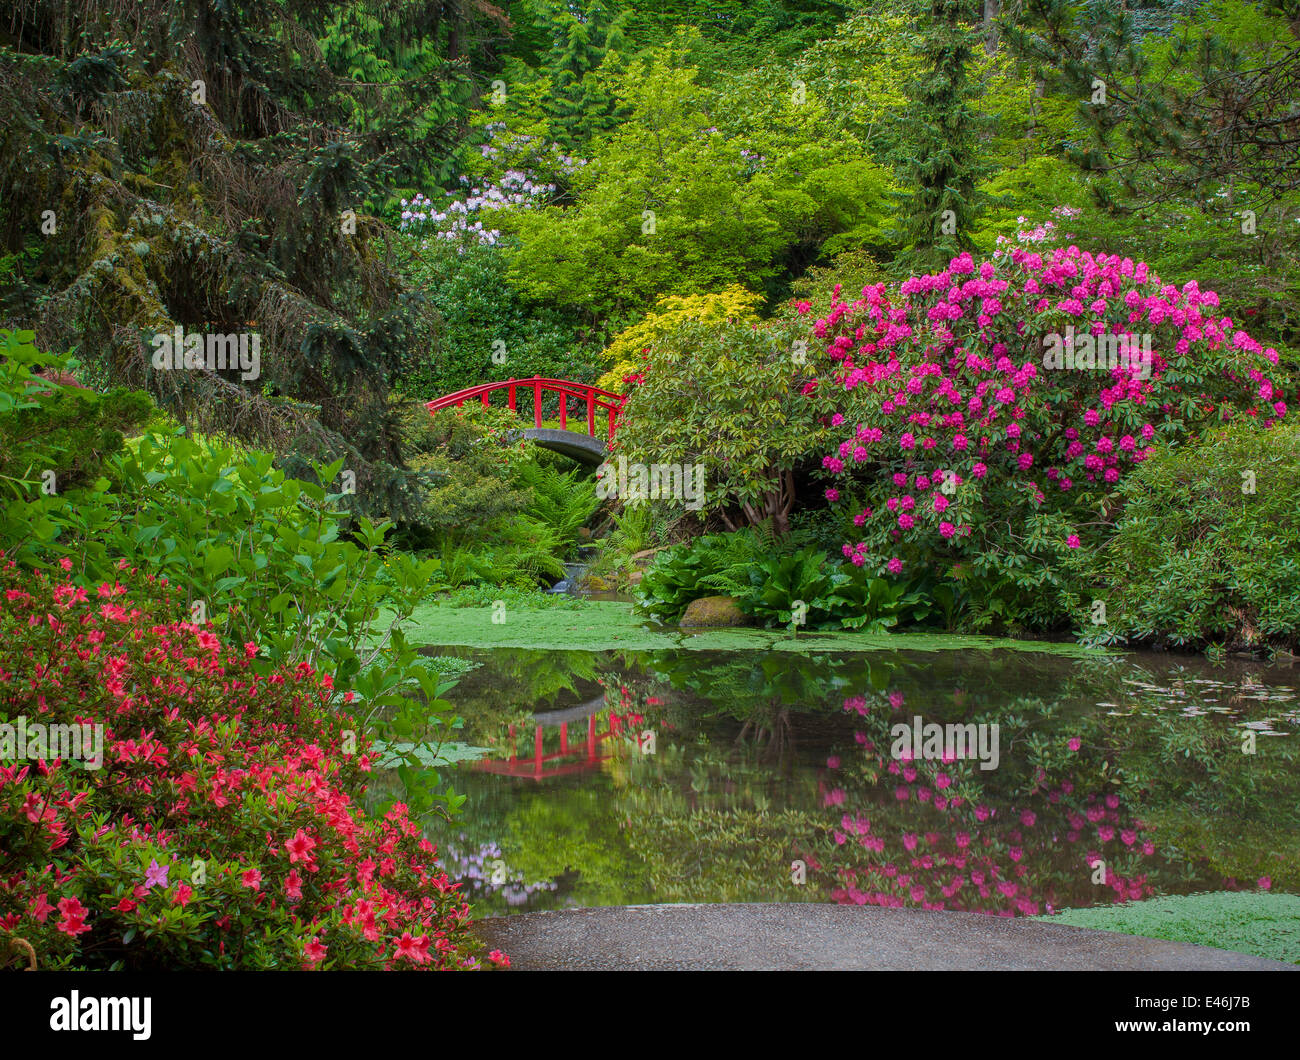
(518,683)
(714,823)
(567,834)
(742,785)
(773,696)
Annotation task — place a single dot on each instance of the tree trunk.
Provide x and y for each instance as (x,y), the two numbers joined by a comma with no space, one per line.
(991,9)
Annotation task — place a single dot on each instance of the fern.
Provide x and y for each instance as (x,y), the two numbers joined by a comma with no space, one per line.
(561,501)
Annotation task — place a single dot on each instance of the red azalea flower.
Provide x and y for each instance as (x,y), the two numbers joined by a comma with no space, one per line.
(413,949)
(300,846)
(74,917)
(40,908)
(314,951)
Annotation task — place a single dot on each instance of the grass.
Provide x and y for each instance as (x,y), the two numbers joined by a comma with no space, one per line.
(600,625)
(1258,923)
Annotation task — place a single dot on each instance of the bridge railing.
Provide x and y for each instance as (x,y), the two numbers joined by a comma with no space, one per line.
(592,397)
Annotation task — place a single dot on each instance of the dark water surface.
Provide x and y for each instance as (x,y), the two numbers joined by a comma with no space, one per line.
(680,776)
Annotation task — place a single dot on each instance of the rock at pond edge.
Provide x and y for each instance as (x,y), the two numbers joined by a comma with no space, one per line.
(712,612)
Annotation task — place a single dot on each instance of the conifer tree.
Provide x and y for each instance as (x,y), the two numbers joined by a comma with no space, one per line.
(938,163)
(200,164)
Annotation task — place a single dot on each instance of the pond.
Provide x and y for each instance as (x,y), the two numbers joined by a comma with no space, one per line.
(611,778)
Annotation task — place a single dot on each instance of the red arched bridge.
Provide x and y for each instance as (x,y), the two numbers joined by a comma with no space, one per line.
(590,447)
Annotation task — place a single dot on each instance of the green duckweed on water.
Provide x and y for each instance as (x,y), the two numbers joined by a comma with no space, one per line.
(1266,925)
(601,625)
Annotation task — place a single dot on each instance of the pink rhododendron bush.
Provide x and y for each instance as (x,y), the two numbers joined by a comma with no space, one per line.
(989,411)
(219,827)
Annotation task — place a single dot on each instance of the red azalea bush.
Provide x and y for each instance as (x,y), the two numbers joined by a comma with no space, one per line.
(220,830)
(965,440)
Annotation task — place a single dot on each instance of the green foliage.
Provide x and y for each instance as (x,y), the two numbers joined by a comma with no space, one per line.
(215,168)
(466,465)
(1195,558)
(672,203)
(1182,159)
(467,285)
(737,35)
(561,501)
(731,397)
(494,510)
(267,559)
(940,164)
(795,587)
(712,565)
(54,435)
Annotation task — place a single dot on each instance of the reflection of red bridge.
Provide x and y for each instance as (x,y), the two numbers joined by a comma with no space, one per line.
(575,757)
(584,756)
(591,448)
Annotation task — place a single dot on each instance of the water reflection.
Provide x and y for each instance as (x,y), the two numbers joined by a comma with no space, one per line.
(681,776)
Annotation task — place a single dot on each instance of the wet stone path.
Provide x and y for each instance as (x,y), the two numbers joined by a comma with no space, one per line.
(776,936)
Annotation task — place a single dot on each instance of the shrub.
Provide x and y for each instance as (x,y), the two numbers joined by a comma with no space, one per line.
(963,450)
(1208,546)
(778,584)
(54,436)
(264,556)
(626,353)
(467,464)
(468,286)
(715,564)
(221,829)
(735,399)
(499,511)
